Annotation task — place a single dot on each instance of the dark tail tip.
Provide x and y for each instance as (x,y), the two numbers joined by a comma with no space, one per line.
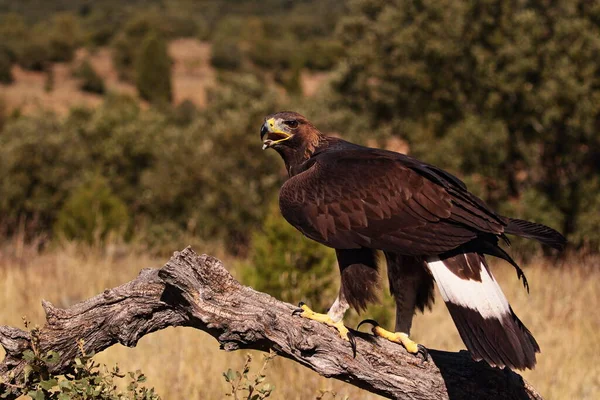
(539,232)
(504,342)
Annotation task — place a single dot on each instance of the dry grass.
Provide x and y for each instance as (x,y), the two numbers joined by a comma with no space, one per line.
(562,312)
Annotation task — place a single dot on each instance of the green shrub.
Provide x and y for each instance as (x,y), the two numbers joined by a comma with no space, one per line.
(322,53)
(289,266)
(5,66)
(37,46)
(92,212)
(153,70)
(3,114)
(244,386)
(86,379)
(90,81)
(126,44)
(226,54)
(271,53)
(34,54)
(63,37)
(49,80)
(14,33)
(184,113)
(39,165)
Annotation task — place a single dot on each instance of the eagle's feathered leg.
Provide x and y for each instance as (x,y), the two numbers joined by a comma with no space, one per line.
(411,284)
(359,281)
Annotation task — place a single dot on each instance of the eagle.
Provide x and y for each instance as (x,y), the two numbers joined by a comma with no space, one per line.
(361,201)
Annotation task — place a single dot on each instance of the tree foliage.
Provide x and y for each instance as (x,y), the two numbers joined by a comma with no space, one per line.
(153,70)
(92,212)
(90,81)
(506,94)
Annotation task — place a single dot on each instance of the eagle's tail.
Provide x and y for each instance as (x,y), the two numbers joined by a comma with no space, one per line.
(484,319)
(539,232)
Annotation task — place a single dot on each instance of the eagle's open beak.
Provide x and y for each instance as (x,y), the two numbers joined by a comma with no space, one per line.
(274,134)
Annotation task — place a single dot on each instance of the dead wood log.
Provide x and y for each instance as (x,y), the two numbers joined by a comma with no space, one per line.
(197,291)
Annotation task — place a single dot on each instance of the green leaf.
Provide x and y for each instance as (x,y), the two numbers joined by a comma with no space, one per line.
(37,395)
(49,384)
(52,357)
(27,370)
(229,375)
(28,355)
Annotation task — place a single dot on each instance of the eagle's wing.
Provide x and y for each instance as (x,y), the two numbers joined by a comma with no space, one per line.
(351,199)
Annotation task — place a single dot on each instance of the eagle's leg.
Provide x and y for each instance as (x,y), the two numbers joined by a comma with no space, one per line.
(412,288)
(334,316)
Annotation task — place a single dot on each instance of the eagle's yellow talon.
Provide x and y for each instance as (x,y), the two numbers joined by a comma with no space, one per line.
(397,337)
(324,318)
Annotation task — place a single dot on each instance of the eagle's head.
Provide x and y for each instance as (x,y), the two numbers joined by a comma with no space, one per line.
(288,130)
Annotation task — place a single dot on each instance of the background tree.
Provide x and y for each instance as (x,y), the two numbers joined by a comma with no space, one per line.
(90,81)
(153,70)
(507,94)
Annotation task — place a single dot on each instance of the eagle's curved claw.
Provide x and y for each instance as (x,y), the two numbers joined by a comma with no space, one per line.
(368,321)
(299,310)
(423,351)
(352,339)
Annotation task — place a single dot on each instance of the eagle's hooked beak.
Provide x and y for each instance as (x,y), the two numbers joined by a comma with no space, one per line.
(274,133)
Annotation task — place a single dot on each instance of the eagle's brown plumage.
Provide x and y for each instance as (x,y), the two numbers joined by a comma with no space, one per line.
(358,200)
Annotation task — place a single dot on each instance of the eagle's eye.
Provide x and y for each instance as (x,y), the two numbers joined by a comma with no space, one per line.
(291,123)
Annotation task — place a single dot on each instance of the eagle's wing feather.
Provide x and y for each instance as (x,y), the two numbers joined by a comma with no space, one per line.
(351,199)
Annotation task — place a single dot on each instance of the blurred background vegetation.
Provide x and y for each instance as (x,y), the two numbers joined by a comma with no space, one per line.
(137,123)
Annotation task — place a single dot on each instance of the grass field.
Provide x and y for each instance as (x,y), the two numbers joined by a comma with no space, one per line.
(562,311)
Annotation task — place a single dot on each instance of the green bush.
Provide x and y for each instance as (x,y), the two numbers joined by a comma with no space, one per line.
(5,66)
(34,47)
(289,266)
(322,53)
(64,35)
(126,44)
(92,212)
(153,70)
(244,386)
(87,379)
(226,54)
(34,54)
(39,165)
(3,114)
(90,81)
(14,33)
(44,158)
(271,53)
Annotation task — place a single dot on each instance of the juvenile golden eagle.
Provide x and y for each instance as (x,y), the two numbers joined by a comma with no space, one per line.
(429,226)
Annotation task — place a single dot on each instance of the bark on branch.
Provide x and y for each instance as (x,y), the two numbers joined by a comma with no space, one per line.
(197,291)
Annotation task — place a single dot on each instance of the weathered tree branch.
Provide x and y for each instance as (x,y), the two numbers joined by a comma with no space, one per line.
(197,291)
